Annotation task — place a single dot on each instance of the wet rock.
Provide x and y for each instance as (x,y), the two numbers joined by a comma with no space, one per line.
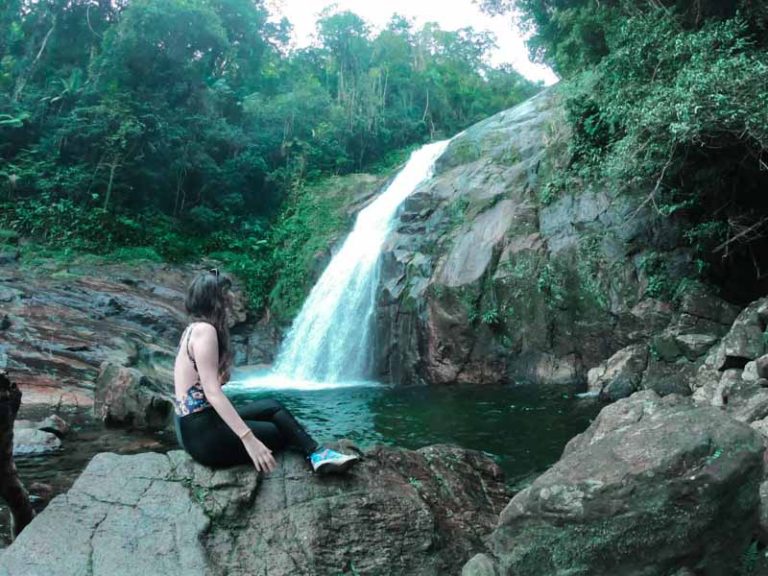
(621,374)
(542,368)
(653,486)
(40,494)
(125,397)
(398,513)
(65,323)
(31,442)
(262,344)
(512,288)
(53,424)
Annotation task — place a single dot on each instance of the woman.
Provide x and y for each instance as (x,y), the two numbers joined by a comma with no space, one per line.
(208,426)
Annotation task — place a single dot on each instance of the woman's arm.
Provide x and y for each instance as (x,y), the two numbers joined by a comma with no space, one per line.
(205,347)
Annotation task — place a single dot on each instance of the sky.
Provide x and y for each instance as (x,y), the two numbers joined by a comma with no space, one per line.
(449,14)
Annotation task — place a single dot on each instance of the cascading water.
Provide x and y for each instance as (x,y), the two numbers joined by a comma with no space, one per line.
(330,340)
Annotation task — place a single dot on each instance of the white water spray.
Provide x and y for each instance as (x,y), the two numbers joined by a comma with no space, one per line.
(330,340)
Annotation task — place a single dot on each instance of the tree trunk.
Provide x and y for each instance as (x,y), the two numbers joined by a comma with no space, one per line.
(108,197)
(25,76)
(11,488)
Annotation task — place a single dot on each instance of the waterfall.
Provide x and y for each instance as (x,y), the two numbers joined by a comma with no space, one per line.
(330,340)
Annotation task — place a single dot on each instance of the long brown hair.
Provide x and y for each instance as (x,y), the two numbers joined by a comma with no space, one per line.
(206,302)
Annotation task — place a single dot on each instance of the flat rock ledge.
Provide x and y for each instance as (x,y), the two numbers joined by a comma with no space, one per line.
(399,512)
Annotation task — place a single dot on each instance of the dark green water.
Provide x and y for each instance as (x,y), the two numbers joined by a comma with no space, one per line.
(523,428)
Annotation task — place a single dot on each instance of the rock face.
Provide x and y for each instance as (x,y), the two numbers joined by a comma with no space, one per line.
(60,325)
(64,323)
(495,274)
(653,486)
(398,513)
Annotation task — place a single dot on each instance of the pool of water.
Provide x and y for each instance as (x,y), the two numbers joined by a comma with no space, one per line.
(523,428)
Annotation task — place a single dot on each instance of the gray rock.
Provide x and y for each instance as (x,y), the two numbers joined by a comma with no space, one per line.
(745,341)
(621,374)
(750,372)
(693,346)
(669,377)
(762,366)
(398,513)
(763,513)
(479,565)
(699,302)
(655,485)
(53,424)
(761,426)
(666,346)
(125,397)
(32,442)
(746,400)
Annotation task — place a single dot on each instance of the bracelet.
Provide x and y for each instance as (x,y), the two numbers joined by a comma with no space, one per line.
(244,434)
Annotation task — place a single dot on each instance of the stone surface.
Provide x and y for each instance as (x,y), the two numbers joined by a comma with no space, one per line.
(761,365)
(669,377)
(495,275)
(621,374)
(125,397)
(398,513)
(32,442)
(53,424)
(694,346)
(60,322)
(763,513)
(745,341)
(655,485)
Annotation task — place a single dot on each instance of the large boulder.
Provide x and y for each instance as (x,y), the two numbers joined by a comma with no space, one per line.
(399,512)
(653,486)
(126,397)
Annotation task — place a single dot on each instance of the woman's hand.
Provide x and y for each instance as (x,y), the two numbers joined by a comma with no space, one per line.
(260,454)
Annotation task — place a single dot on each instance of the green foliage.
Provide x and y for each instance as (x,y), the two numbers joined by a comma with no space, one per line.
(667,99)
(313,219)
(185,128)
(590,269)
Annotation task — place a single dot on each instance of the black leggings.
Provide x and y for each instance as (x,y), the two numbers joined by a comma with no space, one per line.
(208,439)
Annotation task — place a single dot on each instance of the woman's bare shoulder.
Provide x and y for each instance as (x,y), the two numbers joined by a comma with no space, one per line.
(203,330)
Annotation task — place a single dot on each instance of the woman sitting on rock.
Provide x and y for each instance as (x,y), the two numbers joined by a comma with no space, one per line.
(208,426)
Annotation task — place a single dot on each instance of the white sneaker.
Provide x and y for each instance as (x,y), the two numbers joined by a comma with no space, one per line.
(329,461)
